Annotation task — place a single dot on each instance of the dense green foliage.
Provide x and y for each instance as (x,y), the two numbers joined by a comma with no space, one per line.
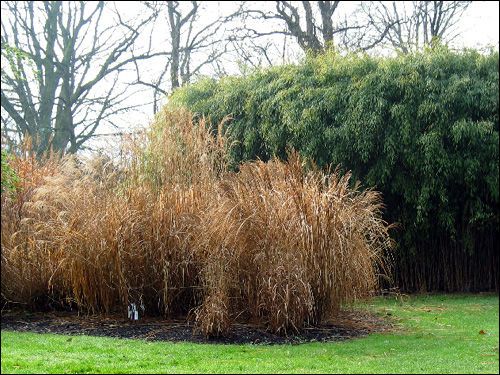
(422,128)
(9,176)
(434,334)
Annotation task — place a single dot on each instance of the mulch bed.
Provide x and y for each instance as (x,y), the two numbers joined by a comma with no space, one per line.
(350,324)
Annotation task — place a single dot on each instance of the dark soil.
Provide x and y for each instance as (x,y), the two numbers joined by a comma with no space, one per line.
(349,325)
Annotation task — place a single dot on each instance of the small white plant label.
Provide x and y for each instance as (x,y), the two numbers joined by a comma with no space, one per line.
(133,314)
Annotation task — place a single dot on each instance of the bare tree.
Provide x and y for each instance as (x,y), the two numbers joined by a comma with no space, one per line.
(315,25)
(415,24)
(192,43)
(62,82)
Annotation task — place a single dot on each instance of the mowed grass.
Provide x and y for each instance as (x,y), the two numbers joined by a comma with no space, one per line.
(435,334)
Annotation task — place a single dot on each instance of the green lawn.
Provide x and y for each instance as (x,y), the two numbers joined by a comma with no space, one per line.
(437,334)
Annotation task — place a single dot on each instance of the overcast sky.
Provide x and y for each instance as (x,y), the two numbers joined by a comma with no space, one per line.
(480,24)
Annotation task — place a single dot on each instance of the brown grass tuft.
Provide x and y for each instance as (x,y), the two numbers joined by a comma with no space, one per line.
(296,244)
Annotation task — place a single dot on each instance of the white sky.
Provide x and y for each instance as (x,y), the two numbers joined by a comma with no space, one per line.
(480,24)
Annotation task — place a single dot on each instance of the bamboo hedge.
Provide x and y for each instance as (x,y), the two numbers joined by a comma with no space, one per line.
(421,128)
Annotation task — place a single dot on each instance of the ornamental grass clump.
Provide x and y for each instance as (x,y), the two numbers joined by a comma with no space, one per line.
(27,260)
(289,245)
(115,233)
(170,228)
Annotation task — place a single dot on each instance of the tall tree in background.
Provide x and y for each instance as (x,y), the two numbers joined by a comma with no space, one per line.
(415,24)
(63,60)
(194,41)
(315,25)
